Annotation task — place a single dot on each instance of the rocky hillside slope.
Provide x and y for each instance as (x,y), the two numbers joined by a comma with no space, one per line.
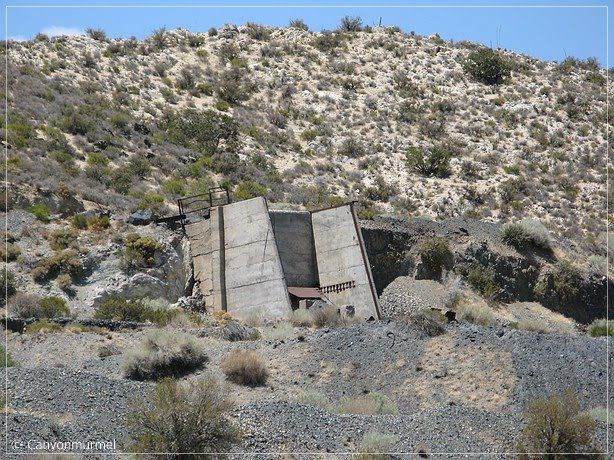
(306,118)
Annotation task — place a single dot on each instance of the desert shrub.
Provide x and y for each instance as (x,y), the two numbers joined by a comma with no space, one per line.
(163,353)
(174,187)
(298,24)
(527,232)
(315,399)
(436,254)
(474,312)
(9,252)
(426,323)
(139,310)
(62,262)
(300,318)
(6,360)
(7,283)
(327,317)
(513,190)
(158,38)
(203,131)
(222,105)
(43,327)
(434,162)
(482,279)
(96,34)
(64,282)
(228,51)
(351,24)
(183,418)
(555,426)
(41,211)
(328,41)
(373,445)
(97,224)
(352,147)
(367,404)
(601,327)
(53,307)
(79,221)
(487,66)
(212,32)
(62,239)
(25,305)
(563,284)
(532,325)
(245,367)
(257,32)
(138,252)
(248,189)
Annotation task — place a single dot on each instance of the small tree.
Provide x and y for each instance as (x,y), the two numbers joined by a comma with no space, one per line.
(351,24)
(186,421)
(555,426)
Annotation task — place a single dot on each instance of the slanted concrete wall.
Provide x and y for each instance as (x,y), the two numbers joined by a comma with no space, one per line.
(344,273)
(294,239)
(254,277)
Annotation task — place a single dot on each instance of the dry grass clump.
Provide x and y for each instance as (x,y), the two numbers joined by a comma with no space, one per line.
(533,325)
(327,317)
(368,404)
(301,318)
(601,327)
(474,312)
(374,445)
(278,331)
(315,399)
(164,353)
(245,367)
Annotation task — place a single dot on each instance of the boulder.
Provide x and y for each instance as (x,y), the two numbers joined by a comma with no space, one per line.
(142,217)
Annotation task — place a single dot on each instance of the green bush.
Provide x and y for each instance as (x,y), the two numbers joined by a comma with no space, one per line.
(79,222)
(436,254)
(228,51)
(527,232)
(203,131)
(315,399)
(41,211)
(6,360)
(43,327)
(149,200)
(222,105)
(138,310)
(329,41)
(245,367)
(555,427)
(62,239)
(601,327)
(138,252)
(54,307)
(10,252)
(66,261)
(182,418)
(368,404)
(248,189)
(487,66)
(163,353)
(7,283)
(96,34)
(257,32)
(98,223)
(174,187)
(373,444)
(561,286)
(482,279)
(434,162)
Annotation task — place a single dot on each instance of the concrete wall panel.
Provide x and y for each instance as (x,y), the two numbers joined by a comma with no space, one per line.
(341,258)
(294,238)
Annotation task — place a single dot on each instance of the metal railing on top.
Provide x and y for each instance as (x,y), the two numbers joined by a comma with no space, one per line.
(196,207)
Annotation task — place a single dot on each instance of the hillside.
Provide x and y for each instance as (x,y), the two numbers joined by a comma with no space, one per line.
(313,117)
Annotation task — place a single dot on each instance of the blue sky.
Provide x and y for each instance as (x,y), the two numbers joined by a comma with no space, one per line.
(550,33)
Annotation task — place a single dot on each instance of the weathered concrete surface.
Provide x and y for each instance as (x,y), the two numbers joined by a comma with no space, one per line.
(341,259)
(296,248)
(254,276)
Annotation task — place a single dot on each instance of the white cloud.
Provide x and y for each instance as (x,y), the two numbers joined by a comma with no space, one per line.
(55,31)
(18,38)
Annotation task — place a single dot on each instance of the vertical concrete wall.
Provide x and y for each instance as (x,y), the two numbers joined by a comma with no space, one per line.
(295,245)
(254,277)
(341,259)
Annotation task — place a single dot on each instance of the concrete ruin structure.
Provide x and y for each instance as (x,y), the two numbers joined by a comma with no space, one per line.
(251,260)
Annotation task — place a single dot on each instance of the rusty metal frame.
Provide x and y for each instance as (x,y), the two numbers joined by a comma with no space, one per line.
(203,201)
